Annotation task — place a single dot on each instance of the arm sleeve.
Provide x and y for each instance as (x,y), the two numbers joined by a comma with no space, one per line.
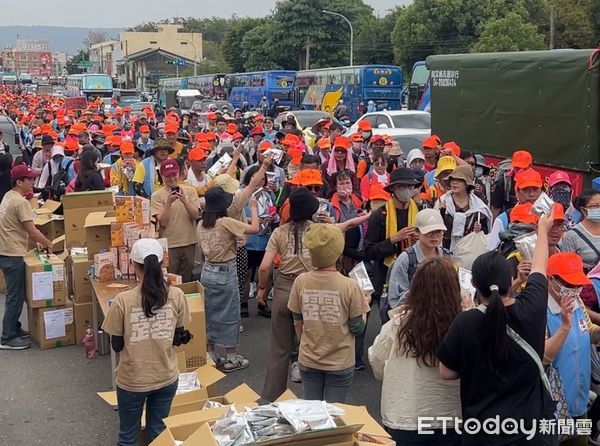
(497,198)
(399,284)
(235,227)
(568,242)
(356,325)
(24,211)
(365,187)
(535,294)
(449,351)
(139,174)
(96,183)
(273,243)
(494,236)
(381,349)
(156,204)
(357,305)
(114,321)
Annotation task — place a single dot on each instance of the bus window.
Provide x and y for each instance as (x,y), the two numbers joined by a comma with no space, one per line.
(347,75)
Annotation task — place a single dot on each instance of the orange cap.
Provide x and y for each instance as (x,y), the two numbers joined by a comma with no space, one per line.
(356,137)
(200,136)
(172,127)
(376,138)
(310,177)
(232,128)
(237,135)
(558,212)
(452,146)
(528,178)
(378,192)
(211,136)
(71,144)
(431,142)
(295,180)
(265,145)
(522,159)
(127,147)
(569,267)
(341,142)
(127,109)
(364,125)
(324,144)
(116,140)
(212,116)
(197,154)
(521,213)
(118,111)
(290,140)
(144,129)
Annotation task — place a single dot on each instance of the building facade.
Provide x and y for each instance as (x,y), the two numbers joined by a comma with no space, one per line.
(168,37)
(104,57)
(33,57)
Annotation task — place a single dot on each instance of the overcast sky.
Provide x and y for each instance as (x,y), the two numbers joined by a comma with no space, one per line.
(119,13)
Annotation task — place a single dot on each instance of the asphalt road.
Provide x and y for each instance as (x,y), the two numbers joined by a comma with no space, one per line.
(49,397)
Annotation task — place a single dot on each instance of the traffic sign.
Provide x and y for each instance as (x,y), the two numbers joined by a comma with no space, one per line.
(181,62)
(84,64)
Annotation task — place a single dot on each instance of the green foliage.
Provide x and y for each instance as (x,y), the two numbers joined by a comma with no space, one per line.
(232,42)
(509,33)
(373,44)
(575,25)
(72,63)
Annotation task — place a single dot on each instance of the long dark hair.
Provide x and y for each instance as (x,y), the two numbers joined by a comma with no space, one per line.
(154,287)
(89,157)
(492,276)
(209,219)
(432,303)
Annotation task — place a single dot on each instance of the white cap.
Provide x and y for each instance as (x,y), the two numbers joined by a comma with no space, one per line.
(57,150)
(145,247)
(429,220)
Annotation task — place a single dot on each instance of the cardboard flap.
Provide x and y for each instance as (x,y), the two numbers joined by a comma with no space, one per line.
(360,415)
(242,394)
(181,359)
(42,220)
(286,396)
(195,418)
(103,218)
(190,397)
(202,436)
(109,397)
(49,207)
(208,375)
(164,439)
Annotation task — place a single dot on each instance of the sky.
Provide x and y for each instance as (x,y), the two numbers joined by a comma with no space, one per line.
(121,14)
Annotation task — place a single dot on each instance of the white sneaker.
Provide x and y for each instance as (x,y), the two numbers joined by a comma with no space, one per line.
(241,328)
(252,289)
(296,378)
(270,296)
(236,364)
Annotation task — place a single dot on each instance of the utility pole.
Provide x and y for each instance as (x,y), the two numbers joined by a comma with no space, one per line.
(551,27)
(307,61)
(351,33)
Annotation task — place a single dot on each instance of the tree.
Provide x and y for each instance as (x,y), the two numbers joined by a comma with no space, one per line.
(147,27)
(72,63)
(257,47)
(94,36)
(232,43)
(373,44)
(574,23)
(509,33)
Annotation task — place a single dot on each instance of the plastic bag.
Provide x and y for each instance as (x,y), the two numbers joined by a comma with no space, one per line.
(277,154)
(525,244)
(360,275)
(188,382)
(220,163)
(467,290)
(468,248)
(306,415)
(542,205)
(232,429)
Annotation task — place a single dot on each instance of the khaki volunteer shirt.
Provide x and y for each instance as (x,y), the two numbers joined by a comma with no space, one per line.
(327,300)
(14,211)
(219,242)
(282,243)
(148,360)
(181,229)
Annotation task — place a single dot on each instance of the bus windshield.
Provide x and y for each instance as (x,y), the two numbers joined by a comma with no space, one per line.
(420,74)
(97,82)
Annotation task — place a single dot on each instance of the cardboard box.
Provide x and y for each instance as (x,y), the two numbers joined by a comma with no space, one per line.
(195,350)
(45,284)
(80,287)
(207,375)
(141,210)
(83,315)
(105,266)
(43,326)
(124,208)
(76,207)
(117,238)
(49,224)
(98,232)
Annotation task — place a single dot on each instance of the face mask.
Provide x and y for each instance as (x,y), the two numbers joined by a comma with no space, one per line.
(564,292)
(344,189)
(366,135)
(562,195)
(594,214)
(403,194)
(478,172)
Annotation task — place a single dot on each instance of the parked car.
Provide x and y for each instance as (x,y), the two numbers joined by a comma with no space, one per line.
(10,135)
(397,122)
(137,108)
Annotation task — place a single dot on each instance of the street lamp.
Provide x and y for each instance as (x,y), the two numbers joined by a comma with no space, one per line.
(351,32)
(194,47)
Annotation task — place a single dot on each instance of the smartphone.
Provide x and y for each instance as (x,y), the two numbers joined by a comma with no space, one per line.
(176,189)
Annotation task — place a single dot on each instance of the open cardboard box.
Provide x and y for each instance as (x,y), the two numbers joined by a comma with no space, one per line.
(195,350)
(193,428)
(52,226)
(97,232)
(76,207)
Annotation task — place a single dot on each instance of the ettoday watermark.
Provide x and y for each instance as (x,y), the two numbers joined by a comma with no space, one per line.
(505,426)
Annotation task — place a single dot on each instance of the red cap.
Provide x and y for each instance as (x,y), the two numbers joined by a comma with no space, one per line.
(212,116)
(127,109)
(452,146)
(521,213)
(232,128)
(22,171)
(197,153)
(169,167)
(237,135)
(265,145)
(431,142)
(259,118)
(376,138)
(172,127)
(257,131)
(528,178)
(558,176)
(211,136)
(558,212)
(144,129)
(569,267)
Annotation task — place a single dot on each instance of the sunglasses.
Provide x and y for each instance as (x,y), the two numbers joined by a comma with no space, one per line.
(314,188)
(340,151)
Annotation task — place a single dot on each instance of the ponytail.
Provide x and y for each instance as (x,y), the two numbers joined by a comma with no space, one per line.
(492,276)
(154,288)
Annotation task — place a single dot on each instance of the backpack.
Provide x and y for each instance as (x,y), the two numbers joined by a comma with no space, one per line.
(502,175)
(507,237)
(60,181)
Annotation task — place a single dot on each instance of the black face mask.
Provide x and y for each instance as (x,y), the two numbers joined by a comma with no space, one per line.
(562,195)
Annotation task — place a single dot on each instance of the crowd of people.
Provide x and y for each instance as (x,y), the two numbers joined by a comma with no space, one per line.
(276,214)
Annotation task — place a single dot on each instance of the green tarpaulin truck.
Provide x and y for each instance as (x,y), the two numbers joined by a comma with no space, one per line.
(544,101)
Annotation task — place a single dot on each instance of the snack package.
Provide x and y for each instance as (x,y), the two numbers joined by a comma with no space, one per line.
(525,244)
(542,205)
(359,273)
(277,155)
(232,429)
(467,290)
(306,415)
(187,383)
(220,163)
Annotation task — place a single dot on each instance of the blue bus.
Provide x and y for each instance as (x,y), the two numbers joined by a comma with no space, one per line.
(251,87)
(212,86)
(321,89)
(168,88)
(91,86)
(418,87)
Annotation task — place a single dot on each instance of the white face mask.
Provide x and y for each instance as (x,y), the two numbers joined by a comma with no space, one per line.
(403,194)
(344,189)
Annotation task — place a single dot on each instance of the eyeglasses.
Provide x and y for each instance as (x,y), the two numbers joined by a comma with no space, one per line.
(593,206)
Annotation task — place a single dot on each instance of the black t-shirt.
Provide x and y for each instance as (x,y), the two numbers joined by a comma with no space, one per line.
(498,199)
(93,181)
(518,394)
